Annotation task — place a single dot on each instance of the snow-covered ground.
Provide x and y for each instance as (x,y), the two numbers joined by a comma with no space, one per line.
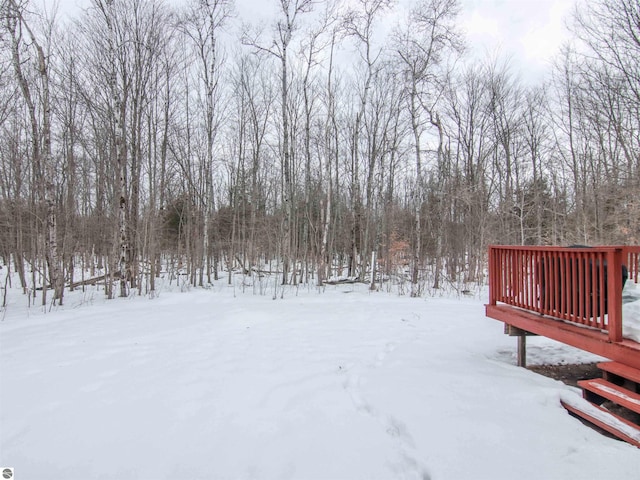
(631,311)
(337,384)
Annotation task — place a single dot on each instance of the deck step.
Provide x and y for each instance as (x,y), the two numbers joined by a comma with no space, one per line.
(621,370)
(610,422)
(610,391)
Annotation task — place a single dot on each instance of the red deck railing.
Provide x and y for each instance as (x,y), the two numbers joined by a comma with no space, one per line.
(578,285)
(632,257)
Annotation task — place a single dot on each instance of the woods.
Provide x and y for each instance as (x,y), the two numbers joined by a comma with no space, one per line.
(146,136)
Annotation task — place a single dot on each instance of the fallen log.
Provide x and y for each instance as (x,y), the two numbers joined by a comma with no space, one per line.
(93,280)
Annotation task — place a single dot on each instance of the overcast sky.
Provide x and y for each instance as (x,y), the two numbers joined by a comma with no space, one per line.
(529,32)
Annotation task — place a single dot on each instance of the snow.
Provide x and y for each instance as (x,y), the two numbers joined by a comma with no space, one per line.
(338,383)
(603,416)
(613,392)
(631,311)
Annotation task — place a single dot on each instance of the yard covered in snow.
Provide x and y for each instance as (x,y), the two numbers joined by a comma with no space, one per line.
(334,384)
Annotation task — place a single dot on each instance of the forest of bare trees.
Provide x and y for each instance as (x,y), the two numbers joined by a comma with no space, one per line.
(148,136)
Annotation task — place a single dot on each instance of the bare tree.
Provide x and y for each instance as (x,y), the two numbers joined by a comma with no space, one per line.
(359,23)
(285,27)
(469,181)
(17,26)
(328,157)
(422,47)
(203,24)
(119,86)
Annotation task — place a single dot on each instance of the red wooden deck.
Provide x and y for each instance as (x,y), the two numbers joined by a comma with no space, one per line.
(574,295)
(565,294)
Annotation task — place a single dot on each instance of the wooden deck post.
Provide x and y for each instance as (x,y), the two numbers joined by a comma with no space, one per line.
(493,275)
(522,350)
(522,342)
(614,296)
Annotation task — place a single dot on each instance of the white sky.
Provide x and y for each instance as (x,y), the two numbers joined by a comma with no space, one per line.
(529,32)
